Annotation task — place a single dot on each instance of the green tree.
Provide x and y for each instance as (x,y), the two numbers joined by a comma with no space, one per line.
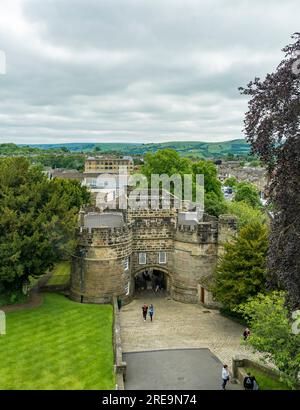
(231,181)
(241,271)
(64,149)
(246,213)
(230,156)
(71,161)
(37,221)
(272,333)
(248,193)
(165,161)
(214,203)
(255,163)
(211,181)
(169,162)
(272,129)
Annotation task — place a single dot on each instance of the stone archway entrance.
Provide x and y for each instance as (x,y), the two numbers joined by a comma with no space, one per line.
(151,280)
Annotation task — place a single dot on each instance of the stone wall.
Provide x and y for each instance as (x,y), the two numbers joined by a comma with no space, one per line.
(120,366)
(152,232)
(226,231)
(195,255)
(100,274)
(239,365)
(192,249)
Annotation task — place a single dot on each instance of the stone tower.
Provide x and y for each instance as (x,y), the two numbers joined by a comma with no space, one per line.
(115,247)
(98,267)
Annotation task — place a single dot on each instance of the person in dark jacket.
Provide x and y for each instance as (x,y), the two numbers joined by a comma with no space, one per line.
(119,302)
(145,310)
(248,382)
(246,333)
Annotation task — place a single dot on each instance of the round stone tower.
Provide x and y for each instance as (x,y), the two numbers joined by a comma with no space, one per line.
(195,255)
(115,248)
(101,265)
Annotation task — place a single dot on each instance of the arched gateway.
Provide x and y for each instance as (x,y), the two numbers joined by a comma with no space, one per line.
(116,248)
(152,279)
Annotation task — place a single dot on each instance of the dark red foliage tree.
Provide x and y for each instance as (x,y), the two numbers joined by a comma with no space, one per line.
(272,128)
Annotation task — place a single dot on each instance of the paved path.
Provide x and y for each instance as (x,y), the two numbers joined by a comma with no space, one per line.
(179,326)
(35,299)
(188,369)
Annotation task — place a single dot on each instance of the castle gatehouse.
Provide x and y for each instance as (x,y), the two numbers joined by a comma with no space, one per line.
(121,253)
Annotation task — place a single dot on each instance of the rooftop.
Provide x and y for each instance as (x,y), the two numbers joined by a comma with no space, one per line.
(109,157)
(103,220)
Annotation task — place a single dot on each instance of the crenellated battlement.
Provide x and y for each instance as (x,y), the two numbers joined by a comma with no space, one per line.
(112,228)
(203,232)
(104,236)
(114,246)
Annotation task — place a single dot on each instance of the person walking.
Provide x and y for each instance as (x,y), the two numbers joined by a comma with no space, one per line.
(225,376)
(119,302)
(248,382)
(151,312)
(145,310)
(246,333)
(156,285)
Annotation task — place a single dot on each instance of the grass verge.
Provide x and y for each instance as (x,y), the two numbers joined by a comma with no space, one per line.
(60,345)
(60,274)
(265,382)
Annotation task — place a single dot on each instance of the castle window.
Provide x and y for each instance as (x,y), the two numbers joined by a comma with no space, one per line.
(142,258)
(126,264)
(162,257)
(126,288)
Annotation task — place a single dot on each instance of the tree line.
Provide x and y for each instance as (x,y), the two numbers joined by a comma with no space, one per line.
(37,221)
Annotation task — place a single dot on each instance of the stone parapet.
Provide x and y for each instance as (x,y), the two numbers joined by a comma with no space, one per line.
(120,366)
(107,259)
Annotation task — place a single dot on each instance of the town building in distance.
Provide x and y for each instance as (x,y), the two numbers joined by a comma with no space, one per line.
(105,164)
(255,175)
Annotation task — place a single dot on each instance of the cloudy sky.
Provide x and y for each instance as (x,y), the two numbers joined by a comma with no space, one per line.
(134,70)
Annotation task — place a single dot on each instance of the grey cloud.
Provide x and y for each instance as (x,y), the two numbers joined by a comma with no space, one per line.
(132,70)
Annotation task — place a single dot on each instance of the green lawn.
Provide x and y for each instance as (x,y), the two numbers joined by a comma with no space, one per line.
(60,345)
(265,382)
(60,274)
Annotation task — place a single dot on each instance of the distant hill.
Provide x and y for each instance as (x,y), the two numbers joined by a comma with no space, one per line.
(185,148)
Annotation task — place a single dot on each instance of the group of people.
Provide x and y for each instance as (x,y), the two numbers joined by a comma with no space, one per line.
(249,383)
(150,280)
(148,310)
